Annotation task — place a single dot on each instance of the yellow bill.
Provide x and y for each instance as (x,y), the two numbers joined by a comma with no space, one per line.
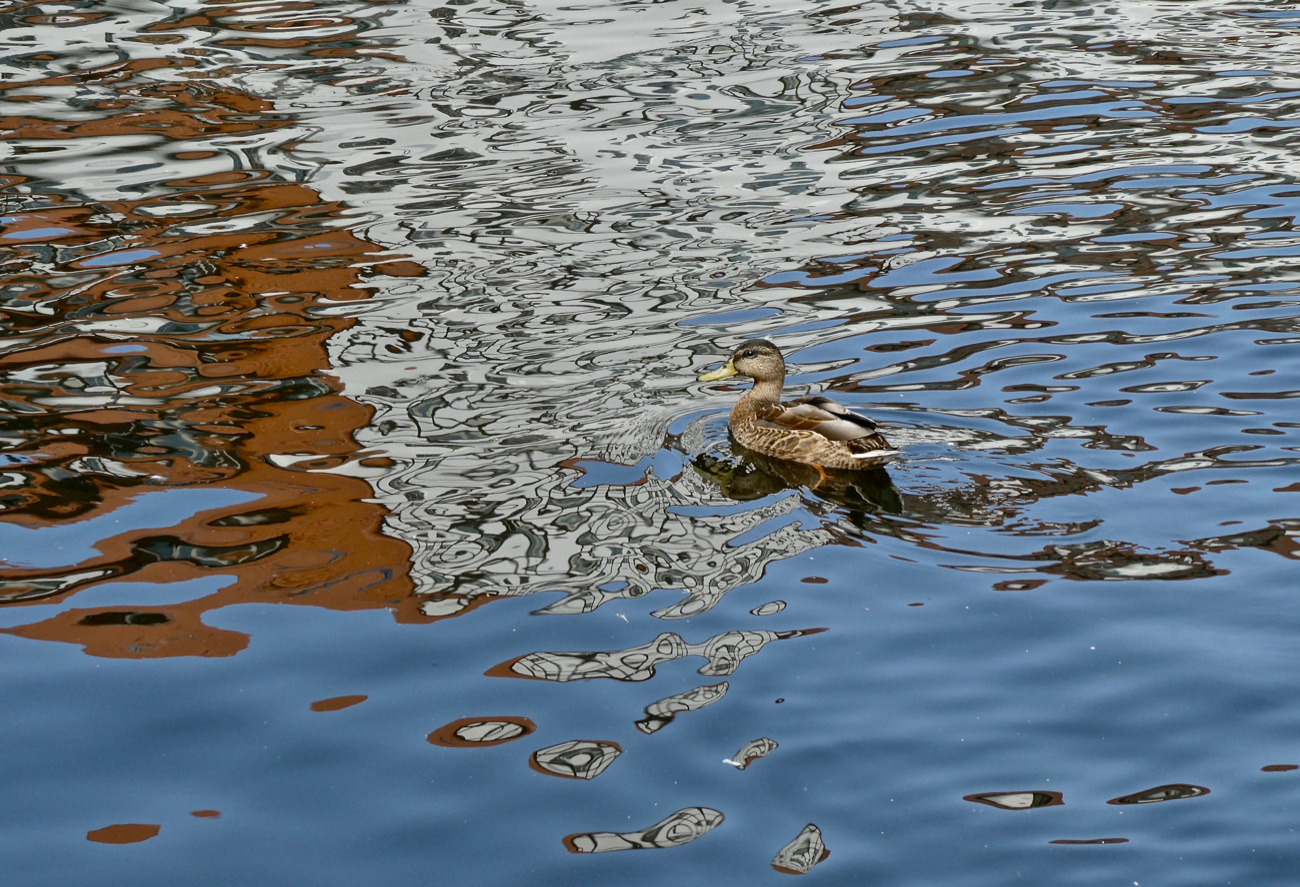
(720,373)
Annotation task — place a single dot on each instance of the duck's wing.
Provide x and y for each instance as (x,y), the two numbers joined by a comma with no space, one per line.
(826,418)
(819,414)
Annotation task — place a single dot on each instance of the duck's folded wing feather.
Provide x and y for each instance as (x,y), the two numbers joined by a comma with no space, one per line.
(817,414)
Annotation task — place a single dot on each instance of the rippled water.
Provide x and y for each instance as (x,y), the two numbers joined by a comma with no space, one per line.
(393,312)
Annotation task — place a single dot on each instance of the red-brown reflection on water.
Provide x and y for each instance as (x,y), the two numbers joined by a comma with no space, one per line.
(481,732)
(188,360)
(123,833)
(337,703)
(179,341)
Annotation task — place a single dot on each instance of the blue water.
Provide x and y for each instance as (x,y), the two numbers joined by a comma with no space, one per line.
(351,351)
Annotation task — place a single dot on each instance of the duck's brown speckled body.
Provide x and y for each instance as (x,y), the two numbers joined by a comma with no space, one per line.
(811,430)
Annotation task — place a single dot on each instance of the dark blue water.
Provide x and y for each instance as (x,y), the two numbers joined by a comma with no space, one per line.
(350,351)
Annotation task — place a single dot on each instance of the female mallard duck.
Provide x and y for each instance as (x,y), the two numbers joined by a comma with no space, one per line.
(812,430)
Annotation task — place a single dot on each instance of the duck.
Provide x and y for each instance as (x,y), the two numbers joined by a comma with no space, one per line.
(814,431)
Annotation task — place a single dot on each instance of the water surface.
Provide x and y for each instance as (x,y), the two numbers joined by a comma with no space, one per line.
(393,312)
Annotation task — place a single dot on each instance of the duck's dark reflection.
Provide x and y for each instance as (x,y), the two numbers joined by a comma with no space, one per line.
(868,504)
(748,475)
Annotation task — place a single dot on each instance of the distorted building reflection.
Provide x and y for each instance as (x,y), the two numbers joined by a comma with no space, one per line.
(172,346)
(1017,800)
(598,543)
(801,854)
(196,368)
(1173,792)
(680,828)
(751,751)
(575,759)
(724,653)
(662,713)
(574,515)
(481,732)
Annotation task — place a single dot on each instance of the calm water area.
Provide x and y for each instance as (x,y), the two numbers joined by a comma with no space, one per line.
(362,520)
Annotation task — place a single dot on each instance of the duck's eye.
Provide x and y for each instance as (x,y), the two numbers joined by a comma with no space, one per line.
(747,354)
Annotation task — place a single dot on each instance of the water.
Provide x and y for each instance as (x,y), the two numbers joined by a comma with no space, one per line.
(393,311)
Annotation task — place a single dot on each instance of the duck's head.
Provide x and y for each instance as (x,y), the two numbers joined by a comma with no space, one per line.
(757,358)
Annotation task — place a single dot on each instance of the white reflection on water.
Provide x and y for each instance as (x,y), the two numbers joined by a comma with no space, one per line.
(617,197)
